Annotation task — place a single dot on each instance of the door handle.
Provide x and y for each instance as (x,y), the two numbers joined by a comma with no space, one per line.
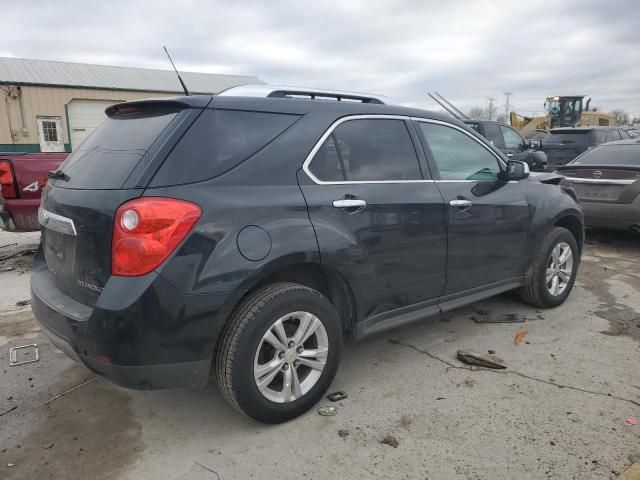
(461,204)
(509,155)
(349,203)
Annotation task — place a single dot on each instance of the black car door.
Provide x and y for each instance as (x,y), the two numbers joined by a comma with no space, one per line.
(379,219)
(487,218)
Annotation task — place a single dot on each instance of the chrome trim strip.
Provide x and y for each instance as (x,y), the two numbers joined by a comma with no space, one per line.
(601,181)
(56,222)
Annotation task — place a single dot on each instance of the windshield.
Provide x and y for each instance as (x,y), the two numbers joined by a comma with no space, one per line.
(610,155)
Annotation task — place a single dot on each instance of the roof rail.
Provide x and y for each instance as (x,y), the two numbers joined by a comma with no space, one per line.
(277,91)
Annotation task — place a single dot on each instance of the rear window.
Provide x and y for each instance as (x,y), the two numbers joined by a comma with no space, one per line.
(610,155)
(567,137)
(108,156)
(218,141)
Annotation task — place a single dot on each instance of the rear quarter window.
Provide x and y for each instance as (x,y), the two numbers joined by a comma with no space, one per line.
(218,141)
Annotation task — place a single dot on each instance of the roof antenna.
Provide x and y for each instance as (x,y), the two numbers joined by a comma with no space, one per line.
(184,87)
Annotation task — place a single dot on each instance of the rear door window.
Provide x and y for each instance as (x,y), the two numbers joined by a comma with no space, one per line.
(367,150)
(218,141)
(568,137)
(108,156)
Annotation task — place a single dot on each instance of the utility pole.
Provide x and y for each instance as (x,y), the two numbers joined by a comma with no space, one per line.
(491,109)
(507,106)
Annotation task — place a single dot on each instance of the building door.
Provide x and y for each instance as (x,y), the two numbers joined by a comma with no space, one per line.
(50,134)
(84,117)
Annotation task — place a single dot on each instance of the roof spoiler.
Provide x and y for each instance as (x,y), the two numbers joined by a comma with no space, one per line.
(178,103)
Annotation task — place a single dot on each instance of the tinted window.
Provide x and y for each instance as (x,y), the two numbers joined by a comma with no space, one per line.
(218,141)
(492,131)
(610,155)
(108,156)
(616,134)
(457,155)
(512,140)
(567,136)
(371,150)
(624,134)
(326,165)
(599,136)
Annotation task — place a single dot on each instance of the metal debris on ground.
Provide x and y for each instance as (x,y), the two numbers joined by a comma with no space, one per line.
(9,245)
(520,336)
(391,441)
(327,411)
(17,254)
(61,394)
(23,303)
(337,396)
(8,411)
(13,355)
(486,361)
(506,318)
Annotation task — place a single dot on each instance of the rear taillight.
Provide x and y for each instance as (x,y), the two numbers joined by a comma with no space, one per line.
(147,230)
(8,187)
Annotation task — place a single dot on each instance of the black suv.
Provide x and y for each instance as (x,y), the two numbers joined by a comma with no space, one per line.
(510,142)
(247,236)
(564,144)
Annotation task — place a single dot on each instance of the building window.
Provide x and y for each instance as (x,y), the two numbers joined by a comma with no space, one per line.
(50,131)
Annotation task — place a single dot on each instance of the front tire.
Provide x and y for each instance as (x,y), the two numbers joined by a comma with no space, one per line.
(279,352)
(554,270)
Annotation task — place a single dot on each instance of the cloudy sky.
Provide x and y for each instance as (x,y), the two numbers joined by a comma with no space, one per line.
(466,50)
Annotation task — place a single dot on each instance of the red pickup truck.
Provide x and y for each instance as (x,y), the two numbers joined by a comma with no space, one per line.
(22,178)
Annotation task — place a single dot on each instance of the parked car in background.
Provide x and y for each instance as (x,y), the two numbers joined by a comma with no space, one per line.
(607,181)
(249,235)
(564,144)
(510,142)
(22,178)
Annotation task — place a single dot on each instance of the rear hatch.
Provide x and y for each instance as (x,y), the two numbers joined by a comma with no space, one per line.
(562,146)
(608,173)
(111,166)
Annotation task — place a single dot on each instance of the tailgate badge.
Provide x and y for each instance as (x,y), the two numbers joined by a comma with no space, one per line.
(597,174)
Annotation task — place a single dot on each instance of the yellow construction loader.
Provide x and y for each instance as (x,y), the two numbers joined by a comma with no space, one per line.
(560,111)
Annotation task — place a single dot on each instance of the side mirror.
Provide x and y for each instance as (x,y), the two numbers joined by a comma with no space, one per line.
(517,170)
(535,144)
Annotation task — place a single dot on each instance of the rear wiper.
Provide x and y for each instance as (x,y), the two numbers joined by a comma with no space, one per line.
(58,174)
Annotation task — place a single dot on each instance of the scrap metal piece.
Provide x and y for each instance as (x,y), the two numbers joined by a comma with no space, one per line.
(327,411)
(486,361)
(13,355)
(337,396)
(506,318)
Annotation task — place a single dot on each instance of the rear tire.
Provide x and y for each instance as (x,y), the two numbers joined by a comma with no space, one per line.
(554,270)
(261,376)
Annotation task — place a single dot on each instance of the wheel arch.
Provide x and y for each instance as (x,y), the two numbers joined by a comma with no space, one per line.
(573,223)
(317,276)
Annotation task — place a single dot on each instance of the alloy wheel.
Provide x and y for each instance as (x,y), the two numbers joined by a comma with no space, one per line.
(291,357)
(559,269)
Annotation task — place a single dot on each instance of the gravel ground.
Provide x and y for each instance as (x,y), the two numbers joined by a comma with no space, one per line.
(559,410)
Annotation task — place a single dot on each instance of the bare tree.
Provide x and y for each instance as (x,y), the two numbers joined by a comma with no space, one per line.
(620,116)
(502,118)
(476,113)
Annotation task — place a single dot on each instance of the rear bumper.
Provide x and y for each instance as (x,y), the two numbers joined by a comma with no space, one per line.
(163,339)
(20,214)
(616,216)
